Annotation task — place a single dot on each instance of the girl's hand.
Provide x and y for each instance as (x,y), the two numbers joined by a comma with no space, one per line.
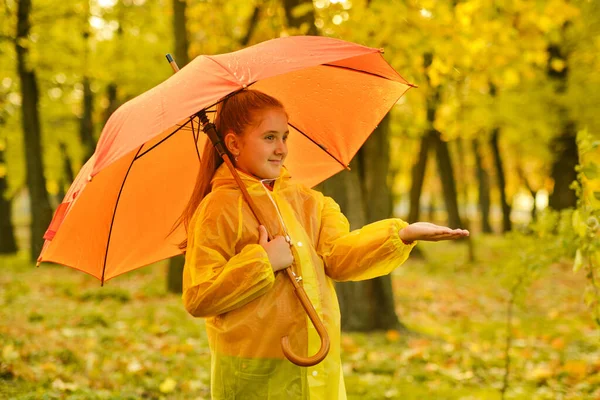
(278,250)
(430,232)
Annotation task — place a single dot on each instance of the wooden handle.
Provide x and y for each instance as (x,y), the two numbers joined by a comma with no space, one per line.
(316,321)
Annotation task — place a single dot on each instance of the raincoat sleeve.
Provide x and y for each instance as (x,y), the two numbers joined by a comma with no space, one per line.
(215,279)
(374,250)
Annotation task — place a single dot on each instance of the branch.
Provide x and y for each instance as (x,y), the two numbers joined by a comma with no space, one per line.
(251,25)
(525,181)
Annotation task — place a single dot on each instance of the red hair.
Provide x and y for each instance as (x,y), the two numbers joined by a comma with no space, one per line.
(235,114)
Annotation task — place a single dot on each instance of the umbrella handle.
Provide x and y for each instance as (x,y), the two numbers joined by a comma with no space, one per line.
(211,132)
(316,321)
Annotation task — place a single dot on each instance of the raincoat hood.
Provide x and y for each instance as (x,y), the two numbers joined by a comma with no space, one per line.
(224,179)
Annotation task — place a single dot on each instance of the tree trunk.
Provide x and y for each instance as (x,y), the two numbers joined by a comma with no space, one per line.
(67,176)
(86,124)
(533,192)
(564,146)
(344,187)
(41,212)
(378,204)
(465,196)
(448,182)
(8,244)
(563,169)
(366,305)
(175,268)
(418,177)
(180,31)
(307,19)
(500,178)
(113,102)
(483,179)
(364,196)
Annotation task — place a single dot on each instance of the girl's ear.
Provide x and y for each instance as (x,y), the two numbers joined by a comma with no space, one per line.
(232,142)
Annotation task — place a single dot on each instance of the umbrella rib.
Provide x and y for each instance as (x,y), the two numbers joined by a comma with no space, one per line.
(170,134)
(366,72)
(196,138)
(115,213)
(320,146)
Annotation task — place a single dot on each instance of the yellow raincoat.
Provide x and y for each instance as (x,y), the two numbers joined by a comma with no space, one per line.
(228,280)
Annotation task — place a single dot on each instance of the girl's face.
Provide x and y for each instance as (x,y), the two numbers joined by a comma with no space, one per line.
(262,149)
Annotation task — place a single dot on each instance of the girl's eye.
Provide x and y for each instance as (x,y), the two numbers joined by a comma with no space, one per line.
(270,137)
(285,138)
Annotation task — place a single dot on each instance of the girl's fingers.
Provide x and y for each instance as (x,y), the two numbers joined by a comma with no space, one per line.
(448,236)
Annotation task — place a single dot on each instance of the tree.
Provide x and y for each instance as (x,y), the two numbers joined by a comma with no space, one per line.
(175,269)
(354,192)
(41,212)
(8,243)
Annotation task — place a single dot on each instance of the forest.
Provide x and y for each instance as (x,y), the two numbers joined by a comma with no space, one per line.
(500,135)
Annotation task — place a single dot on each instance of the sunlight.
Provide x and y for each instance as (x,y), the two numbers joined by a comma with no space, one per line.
(426,13)
(107,3)
(541,199)
(97,22)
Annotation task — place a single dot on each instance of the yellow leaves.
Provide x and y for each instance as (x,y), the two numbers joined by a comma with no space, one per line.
(558,64)
(437,71)
(168,386)
(58,384)
(578,263)
(302,9)
(392,335)
(561,11)
(134,366)
(9,353)
(540,373)
(544,23)
(510,78)
(434,78)
(576,369)
(349,345)
(578,225)
(49,367)
(553,314)
(558,343)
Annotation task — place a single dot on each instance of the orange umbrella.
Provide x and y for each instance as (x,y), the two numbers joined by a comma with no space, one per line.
(119,211)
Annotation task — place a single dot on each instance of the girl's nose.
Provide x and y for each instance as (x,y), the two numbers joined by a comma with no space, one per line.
(281,148)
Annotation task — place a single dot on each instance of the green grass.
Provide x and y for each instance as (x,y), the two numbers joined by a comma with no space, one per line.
(62,336)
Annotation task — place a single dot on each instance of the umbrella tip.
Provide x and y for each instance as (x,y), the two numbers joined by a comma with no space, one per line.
(169,57)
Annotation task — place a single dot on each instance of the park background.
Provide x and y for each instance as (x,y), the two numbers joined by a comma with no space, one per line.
(500,137)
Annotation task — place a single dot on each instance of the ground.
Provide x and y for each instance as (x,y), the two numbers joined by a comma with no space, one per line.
(64,336)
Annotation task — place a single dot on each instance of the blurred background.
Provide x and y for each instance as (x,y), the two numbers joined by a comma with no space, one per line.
(500,137)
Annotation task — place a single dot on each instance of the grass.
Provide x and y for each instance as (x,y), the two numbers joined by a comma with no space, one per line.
(62,336)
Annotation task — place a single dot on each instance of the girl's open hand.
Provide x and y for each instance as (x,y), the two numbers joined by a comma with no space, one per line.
(278,250)
(430,232)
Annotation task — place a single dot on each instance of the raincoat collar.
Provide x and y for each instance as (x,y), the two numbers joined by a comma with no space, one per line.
(224,178)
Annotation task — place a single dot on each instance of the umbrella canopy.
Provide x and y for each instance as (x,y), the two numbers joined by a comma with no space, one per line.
(119,211)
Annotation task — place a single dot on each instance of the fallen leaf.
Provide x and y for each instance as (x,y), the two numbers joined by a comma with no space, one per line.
(167,386)
(576,369)
(392,335)
(558,343)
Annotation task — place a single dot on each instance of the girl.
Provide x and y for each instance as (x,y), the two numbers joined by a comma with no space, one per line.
(231,270)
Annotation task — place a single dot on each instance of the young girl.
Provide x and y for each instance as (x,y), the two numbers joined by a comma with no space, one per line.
(231,269)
